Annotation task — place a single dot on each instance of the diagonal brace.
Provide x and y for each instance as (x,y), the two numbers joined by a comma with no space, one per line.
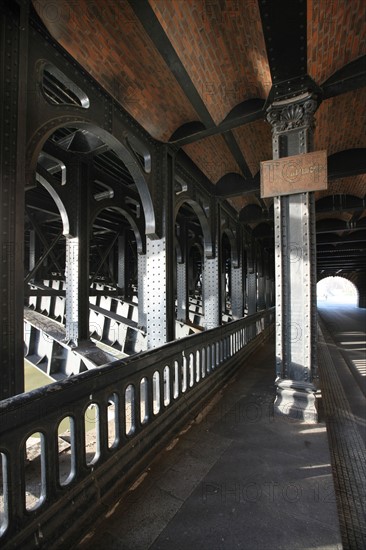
(105,256)
(42,238)
(42,258)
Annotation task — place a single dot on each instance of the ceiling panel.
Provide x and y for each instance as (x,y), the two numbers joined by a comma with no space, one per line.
(255,142)
(352,185)
(222,48)
(240,202)
(212,156)
(336,35)
(108,40)
(341,122)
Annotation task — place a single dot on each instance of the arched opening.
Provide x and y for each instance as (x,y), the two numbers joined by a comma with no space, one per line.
(115,243)
(336,292)
(45,229)
(195,272)
(189,274)
(125,160)
(81,173)
(226,282)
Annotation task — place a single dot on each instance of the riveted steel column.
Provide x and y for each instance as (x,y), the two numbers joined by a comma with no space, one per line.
(251,282)
(261,302)
(261,283)
(32,250)
(112,264)
(77,255)
(155,296)
(13,89)
(362,298)
(182,259)
(122,261)
(211,276)
(360,283)
(211,292)
(182,291)
(141,275)
(237,292)
(294,218)
(160,262)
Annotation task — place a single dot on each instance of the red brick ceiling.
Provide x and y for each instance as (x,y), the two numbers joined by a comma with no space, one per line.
(336,35)
(240,202)
(353,185)
(255,140)
(213,157)
(110,42)
(222,48)
(341,123)
(344,216)
(220,44)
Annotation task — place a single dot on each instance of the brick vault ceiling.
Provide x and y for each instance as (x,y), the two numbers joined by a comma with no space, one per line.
(173,62)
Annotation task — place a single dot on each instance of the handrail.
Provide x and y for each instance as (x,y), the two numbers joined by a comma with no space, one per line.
(152,394)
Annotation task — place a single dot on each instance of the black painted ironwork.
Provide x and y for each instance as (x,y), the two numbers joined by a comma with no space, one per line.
(154,394)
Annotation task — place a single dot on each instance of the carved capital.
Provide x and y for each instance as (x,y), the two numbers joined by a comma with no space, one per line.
(284,115)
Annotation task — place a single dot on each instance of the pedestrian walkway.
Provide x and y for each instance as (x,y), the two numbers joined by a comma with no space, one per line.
(238,478)
(345,415)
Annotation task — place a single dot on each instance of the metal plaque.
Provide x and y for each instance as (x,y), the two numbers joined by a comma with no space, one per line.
(296,174)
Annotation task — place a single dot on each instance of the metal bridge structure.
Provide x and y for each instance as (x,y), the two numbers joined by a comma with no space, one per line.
(140,263)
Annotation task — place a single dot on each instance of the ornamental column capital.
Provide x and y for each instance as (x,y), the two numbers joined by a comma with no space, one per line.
(292,114)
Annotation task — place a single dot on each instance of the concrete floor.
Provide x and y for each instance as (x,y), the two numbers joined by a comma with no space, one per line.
(240,478)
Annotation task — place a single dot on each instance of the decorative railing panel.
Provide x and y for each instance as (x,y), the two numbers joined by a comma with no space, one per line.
(112,420)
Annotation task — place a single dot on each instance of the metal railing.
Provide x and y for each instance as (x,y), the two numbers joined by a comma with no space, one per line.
(134,405)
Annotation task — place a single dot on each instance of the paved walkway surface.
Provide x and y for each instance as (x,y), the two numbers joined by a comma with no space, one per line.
(342,365)
(239,479)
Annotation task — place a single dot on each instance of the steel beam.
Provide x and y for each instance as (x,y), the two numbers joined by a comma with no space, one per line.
(13,98)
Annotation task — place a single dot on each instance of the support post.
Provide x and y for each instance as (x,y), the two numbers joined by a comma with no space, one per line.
(361,287)
(211,277)
(237,293)
(295,256)
(158,286)
(362,300)
(32,249)
(211,293)
(251,282)
(141,276)
(122,262)
(182,290)
(13,100)
(155,292)
(77,255)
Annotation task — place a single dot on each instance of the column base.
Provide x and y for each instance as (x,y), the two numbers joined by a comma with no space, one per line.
(296,400)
